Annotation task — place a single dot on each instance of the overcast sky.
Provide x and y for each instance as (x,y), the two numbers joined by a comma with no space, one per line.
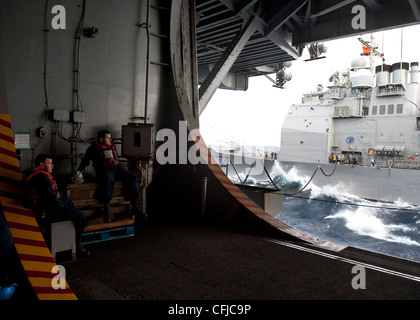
(255,116)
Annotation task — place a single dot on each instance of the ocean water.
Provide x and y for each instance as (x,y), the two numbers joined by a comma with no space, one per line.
(332,214)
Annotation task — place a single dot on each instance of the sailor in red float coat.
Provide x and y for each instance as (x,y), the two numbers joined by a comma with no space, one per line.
(104,159)
(56,208)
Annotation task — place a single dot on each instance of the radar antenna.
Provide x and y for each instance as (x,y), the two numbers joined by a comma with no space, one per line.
(315,51)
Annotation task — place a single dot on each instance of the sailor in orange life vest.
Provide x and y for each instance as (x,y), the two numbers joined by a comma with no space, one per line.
(56,207)
(104,159)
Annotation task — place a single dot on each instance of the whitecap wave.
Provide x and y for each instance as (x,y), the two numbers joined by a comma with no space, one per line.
(356,219)
(364,221)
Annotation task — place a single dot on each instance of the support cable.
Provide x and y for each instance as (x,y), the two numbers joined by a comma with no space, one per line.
(275,185)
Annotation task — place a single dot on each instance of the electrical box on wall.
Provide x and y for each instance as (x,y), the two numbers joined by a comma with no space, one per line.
(59,115)
(137,140)
(79,117)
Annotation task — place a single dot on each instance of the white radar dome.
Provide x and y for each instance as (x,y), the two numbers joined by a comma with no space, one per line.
(362,78)
(358,63)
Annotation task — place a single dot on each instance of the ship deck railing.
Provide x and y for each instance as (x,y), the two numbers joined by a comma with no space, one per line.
(404,164)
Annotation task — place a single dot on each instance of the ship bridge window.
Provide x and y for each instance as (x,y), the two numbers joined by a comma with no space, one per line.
(374,110)
(365,111)
(391,109)
(382,109)
(399,108)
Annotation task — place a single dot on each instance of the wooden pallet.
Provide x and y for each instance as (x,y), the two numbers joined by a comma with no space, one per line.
(121,225)
(84,198)
(108,231)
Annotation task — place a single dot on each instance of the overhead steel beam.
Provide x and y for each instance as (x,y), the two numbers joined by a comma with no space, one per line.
(239,8)
(269,30)
(338,23)
(372,4)
(415,7)
(279,40)
(284,15)
(332,8)
(222,67)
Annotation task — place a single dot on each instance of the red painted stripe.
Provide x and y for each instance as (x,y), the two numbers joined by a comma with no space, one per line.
(15,183)
(40,274)
(22,226)
(251,206)
(220,173)
(28,242)
(19,211)
(6,138)
(43,274)
(8,152)
(30,257)
(11,195)
(5,123)
(242,198)
(41,290)
(9,167)
(233,189)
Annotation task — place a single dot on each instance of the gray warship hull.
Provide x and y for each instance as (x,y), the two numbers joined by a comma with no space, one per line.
(372,183)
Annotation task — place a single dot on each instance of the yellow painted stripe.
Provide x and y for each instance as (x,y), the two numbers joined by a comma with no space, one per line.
(6,157)
(218,171)
(233,188)
(37,265)
(5,116)
(7,187)
(14,203)
(52,296)
(9,174)
(33,250)
(12,217)
(45,282)
(23,249)
(247,202)
(222,177)
(203,148)
(6,131)
(30,235)
(42,282)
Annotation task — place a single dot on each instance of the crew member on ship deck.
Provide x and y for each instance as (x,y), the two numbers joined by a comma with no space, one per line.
(57,208)
(104,159)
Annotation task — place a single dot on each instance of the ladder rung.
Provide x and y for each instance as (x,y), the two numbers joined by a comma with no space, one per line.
(159,63)
(158,7)
(158,35)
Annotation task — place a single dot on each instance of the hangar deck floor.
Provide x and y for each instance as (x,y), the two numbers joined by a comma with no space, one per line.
(195,261)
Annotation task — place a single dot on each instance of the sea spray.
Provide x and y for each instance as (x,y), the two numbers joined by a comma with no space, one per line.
(335,215)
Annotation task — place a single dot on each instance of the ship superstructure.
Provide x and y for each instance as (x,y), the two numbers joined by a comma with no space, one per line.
(367,124)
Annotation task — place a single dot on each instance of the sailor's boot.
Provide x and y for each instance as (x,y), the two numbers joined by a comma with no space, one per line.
(107,217)
(139,217)
(81,252)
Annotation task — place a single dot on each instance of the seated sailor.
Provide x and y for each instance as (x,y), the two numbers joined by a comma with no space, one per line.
(56,207)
